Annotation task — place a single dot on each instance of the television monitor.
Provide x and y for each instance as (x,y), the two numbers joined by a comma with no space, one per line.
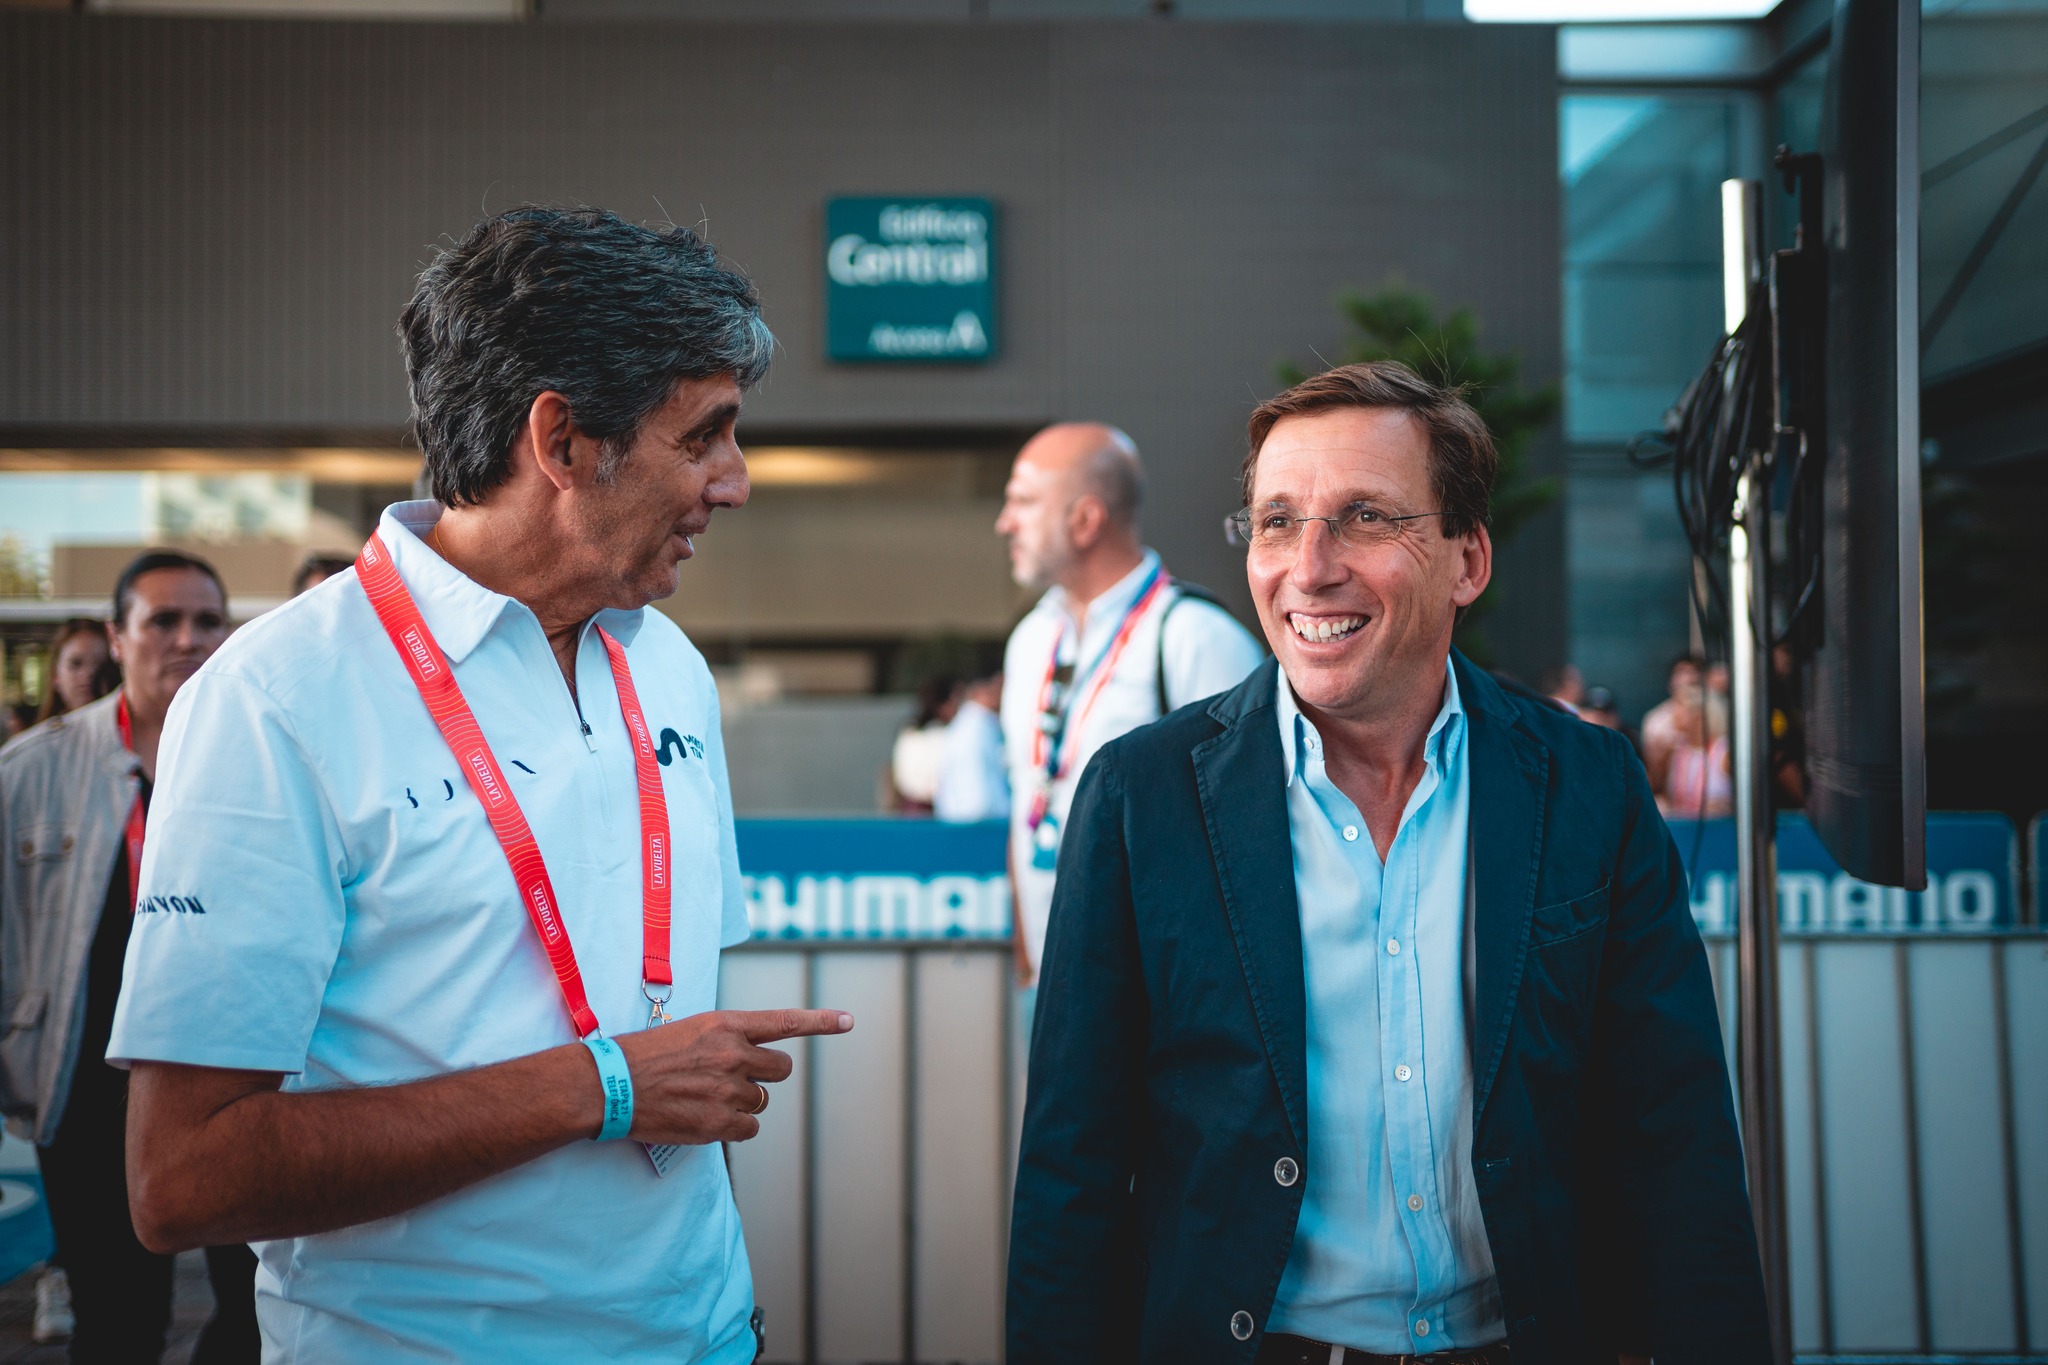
(1865,720)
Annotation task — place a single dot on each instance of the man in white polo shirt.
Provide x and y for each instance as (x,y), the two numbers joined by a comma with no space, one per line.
(1115,643)
(437,844)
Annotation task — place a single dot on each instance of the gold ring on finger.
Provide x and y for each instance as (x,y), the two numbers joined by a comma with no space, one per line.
(763,1105)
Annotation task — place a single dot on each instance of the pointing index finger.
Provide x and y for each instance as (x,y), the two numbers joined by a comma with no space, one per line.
(768,1026)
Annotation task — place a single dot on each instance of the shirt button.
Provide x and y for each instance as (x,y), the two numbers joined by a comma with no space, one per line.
(1402,1073)
(1415,1206)
(1285,1171)
(1422,1327)
(1350,834)
(1393,947)
(1241,1325)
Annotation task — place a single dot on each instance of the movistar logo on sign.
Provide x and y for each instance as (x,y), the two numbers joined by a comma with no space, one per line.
(910,279)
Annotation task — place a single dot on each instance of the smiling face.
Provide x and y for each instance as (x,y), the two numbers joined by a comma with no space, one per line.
(1359,629)
(633,529)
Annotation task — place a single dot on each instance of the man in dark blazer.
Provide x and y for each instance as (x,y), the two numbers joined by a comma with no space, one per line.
(1450,1092)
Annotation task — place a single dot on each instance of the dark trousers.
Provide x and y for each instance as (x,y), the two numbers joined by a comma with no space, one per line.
(120,1289)
(230,1336)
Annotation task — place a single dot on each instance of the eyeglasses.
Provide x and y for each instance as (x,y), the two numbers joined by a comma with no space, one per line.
(1358,526)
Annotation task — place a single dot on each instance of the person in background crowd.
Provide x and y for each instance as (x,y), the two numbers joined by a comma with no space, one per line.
(82,670)
(82,667)
(427,894)
(1374,1020)
(317,570)
(1696,782)
(1666,722)
(1718,705)
(75,796)
(1566,686)
(1113,644)
(919,752)
(973,784)
(1599,707)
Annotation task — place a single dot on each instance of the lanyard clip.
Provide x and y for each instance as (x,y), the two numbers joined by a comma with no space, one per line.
(657,1016)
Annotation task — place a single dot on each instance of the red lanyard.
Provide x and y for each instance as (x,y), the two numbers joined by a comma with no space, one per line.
(435,679)
(1096,681)
(138,817)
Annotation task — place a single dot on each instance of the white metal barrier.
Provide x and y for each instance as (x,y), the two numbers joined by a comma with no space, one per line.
(876,1199)
(1916,1141)
(1916,1128)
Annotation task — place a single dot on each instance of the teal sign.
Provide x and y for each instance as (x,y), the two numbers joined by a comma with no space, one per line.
(910,280)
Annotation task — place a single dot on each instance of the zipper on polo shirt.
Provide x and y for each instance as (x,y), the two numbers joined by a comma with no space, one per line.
(589,741)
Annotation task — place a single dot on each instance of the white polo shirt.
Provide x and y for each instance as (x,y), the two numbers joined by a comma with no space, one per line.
(1205,651)
(322,896)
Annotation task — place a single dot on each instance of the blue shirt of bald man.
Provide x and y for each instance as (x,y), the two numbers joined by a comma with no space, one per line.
(1374,1023)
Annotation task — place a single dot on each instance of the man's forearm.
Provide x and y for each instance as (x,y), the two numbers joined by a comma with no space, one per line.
(253,1163)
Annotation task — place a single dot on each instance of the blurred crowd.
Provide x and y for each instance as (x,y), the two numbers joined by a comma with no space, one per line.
(1683,739)
(105,689)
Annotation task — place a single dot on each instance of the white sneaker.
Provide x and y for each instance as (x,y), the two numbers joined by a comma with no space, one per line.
(53,1308)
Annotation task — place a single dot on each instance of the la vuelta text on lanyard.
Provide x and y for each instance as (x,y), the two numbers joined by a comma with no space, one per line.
(431,673)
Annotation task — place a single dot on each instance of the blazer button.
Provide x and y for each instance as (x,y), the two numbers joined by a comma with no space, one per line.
(1241,1325)
(1285,1171)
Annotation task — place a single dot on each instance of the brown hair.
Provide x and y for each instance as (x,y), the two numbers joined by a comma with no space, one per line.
(108,678)
(1462,461)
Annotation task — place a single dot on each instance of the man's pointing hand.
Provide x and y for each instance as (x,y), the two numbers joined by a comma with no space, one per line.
(702,1079)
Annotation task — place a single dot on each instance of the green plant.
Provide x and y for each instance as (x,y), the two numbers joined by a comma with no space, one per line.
(1399,323)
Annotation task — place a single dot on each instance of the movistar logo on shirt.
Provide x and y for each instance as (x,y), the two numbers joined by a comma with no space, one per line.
(672,745)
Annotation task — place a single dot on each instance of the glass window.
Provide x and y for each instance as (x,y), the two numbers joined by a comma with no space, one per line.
(1984,196)
(1642,278)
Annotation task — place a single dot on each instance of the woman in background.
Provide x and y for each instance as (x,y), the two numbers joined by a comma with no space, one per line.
(82,670)
(82,667)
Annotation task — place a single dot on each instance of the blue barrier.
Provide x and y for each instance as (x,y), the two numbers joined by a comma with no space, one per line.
(874,879)
(894,879)
(1972,880)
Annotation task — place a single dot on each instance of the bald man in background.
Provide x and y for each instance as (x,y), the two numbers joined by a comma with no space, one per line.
(1115,643)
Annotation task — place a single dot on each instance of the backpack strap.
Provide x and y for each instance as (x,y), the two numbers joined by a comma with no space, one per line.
(1182,591)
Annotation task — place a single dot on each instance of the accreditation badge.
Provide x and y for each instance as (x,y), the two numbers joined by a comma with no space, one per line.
(1045,843)
(662,1154)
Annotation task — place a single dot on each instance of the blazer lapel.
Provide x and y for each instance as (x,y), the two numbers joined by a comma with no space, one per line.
(1509,772)
(1244,808)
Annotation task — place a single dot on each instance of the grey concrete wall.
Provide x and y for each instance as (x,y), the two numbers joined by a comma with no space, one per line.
(209,225)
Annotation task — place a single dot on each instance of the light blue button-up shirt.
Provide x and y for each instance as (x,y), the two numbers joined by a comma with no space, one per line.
(1390,1253)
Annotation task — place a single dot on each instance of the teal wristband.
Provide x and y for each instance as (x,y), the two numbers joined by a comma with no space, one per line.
(618,1086)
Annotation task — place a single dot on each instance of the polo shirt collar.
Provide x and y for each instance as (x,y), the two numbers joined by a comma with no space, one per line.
(1298,733)
(457,609)
(1115,599)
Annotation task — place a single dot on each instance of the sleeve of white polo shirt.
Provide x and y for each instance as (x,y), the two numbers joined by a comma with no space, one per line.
(1206,652)
(733,921)
(241,911)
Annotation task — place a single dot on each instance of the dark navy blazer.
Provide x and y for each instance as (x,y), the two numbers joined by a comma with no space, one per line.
(1169,1075)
